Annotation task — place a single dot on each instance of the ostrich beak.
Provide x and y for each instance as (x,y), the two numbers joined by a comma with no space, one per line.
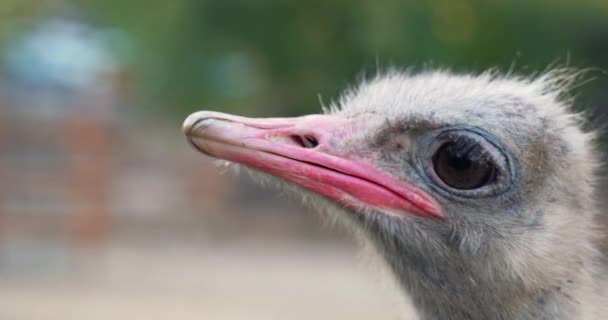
(300,151)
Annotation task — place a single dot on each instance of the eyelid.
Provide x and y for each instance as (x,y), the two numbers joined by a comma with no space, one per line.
(434,140)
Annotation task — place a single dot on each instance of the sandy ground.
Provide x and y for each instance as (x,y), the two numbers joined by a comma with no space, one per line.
(246,280)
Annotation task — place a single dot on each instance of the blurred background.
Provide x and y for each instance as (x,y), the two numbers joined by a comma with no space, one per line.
(105,211)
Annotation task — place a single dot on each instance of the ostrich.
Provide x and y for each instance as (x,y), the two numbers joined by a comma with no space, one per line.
(476,190)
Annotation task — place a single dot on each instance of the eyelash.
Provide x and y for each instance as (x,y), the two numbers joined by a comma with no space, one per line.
(471,148)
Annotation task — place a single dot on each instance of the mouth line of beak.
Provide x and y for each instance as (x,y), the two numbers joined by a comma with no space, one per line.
(349,183)
(345,198)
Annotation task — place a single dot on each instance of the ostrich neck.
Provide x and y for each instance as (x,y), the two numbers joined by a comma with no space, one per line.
(473,301)
(453,288)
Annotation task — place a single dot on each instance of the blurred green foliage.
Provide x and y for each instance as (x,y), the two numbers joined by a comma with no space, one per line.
(277,56)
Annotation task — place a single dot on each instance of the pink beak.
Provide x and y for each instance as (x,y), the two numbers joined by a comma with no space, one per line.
(300,150)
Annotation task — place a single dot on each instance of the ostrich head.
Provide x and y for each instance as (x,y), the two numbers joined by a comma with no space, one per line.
(476,190)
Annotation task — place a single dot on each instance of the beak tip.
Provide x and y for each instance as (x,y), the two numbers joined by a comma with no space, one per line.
(187,125)
(191,121)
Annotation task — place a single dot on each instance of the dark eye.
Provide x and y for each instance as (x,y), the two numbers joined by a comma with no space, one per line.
(462,165)
(467,163)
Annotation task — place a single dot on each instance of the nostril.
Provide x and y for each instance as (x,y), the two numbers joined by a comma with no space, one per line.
(311,142)
(308,142)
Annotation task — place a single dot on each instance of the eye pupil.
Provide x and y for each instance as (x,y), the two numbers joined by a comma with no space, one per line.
(463,166)
(460,162)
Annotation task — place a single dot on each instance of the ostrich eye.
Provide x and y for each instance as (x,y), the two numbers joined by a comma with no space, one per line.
(462,165)
(465,163)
